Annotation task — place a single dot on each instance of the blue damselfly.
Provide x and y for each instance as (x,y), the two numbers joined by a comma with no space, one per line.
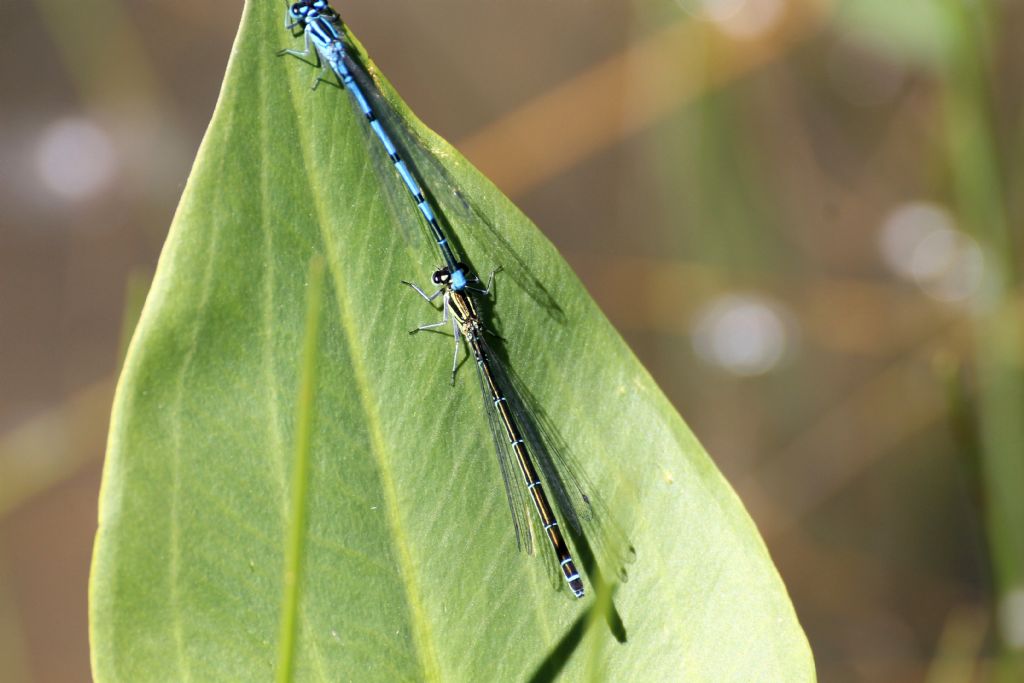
(517,440)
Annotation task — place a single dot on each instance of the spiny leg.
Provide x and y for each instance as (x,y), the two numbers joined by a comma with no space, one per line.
(302,54)
(429,298)
(434,326)
(486,292)
(445,314)
(490,283)
(320,77)
(419,291)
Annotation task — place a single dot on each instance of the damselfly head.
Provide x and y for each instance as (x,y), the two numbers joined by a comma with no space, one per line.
(299,10)
(315,8)
(443,276)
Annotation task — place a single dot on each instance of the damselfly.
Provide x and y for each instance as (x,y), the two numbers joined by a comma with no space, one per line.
(509,424)
(515,436)
(323,41)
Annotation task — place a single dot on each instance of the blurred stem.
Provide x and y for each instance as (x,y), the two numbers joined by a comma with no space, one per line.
(104,54)
(999,337)
(956,656)
(53,445)
(724,179)
(13,652)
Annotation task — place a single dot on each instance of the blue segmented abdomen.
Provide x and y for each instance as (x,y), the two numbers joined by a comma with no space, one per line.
(384,137)
(331,48)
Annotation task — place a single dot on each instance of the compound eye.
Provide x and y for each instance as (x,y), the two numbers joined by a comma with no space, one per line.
(298,9)
(437,277)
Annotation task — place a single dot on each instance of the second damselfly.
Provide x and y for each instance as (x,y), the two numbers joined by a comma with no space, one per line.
(505,416)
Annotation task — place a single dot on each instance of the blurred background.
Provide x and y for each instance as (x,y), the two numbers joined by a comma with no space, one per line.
(815,203)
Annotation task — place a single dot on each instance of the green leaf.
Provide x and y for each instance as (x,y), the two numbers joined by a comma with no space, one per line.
(405,566)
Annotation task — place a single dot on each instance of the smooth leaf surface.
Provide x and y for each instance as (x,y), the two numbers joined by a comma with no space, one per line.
(408,565)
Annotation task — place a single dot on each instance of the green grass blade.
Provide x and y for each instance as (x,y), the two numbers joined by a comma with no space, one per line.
(300,475)
(998,325)
(408,569)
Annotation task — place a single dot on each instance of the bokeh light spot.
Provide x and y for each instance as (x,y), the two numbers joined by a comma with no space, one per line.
(1011,618)
(744,335)
(919,241)
(744,18)
(75,159)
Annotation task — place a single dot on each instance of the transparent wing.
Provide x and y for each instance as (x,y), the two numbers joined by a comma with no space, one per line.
(596,533)
(562,478)
(466,216)
(528,524)
(514,489)
(457,212)
(402,208)
(399,203)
